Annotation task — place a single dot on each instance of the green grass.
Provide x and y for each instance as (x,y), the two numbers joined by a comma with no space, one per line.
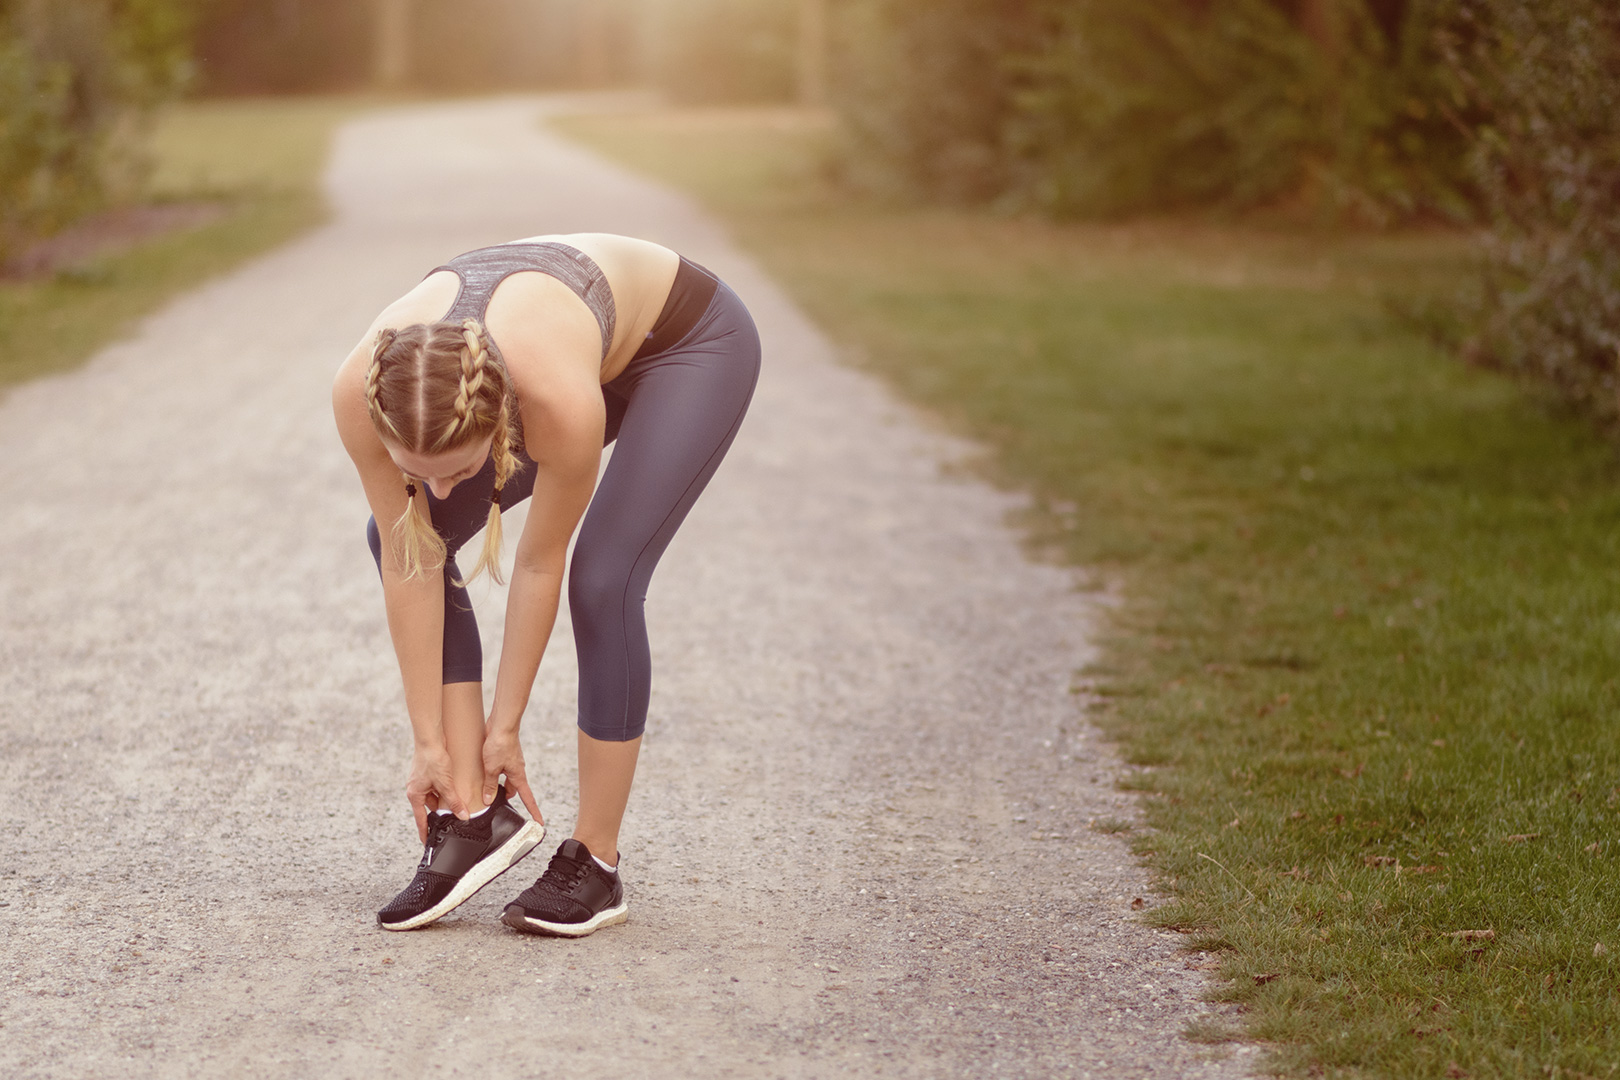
(1372,619)
(260,159)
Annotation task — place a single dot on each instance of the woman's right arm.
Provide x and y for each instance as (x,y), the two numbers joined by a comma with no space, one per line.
(415,608)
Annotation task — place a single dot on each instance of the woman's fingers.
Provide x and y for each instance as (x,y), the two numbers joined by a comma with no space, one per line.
(419,811)
(520,784)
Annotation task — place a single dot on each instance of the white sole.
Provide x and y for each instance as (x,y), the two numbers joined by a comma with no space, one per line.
(611,917)
(491,867)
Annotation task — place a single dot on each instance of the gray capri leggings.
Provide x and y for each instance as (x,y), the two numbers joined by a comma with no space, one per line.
(673,413)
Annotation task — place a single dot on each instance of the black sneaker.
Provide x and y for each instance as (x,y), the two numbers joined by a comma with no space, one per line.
(460,858)
(574,897)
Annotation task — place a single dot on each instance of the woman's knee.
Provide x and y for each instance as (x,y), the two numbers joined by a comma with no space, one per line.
(597,589)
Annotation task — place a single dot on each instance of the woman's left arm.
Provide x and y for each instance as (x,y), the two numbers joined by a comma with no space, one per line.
(569,421)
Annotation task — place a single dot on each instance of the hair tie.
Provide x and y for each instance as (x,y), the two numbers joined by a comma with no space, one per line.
(495,496)
(410,489)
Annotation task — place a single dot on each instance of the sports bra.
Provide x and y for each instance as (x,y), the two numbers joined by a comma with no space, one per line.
(482,270)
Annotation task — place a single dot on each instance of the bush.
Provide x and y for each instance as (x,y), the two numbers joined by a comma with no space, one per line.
(75,82)
(926,90)
(1089,107)
(1242,103)
(1546,75)
(1505,112)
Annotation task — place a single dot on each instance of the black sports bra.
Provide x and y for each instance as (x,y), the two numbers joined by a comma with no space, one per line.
(482,270)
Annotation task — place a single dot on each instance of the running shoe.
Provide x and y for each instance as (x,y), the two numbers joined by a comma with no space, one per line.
(460,858)
(574,897)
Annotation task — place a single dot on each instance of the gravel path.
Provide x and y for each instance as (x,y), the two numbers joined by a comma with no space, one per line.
(859,842)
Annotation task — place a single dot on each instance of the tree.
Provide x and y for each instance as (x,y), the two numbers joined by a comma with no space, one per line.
(76,80)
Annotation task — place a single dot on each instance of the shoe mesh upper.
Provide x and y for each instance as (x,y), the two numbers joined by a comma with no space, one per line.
(548,897)
(552,897)
(425,890)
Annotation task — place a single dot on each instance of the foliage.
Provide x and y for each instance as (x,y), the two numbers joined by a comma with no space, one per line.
(1144,107)
(723,50)
(926,90)
(1094,107)
(75,80)
(1546,75)
(260,161)
(1505,112)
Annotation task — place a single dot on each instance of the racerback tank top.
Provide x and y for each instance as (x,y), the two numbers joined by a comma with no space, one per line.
(482,270)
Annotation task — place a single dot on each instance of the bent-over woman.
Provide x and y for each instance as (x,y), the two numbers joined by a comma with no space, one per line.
(501,377)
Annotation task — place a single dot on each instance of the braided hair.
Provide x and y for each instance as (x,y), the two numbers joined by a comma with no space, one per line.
(433,388)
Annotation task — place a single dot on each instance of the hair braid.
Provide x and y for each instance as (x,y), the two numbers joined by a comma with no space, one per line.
(474,359)
(379,418)
(441,387)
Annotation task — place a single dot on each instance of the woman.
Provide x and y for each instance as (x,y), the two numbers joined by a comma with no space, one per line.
(502,376)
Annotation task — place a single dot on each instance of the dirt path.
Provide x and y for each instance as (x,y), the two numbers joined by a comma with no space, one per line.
(859,843)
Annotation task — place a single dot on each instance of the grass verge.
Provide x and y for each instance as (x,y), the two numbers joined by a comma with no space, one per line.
(1373,597)
(260,159)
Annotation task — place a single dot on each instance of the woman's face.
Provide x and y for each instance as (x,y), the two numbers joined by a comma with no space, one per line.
(442,471)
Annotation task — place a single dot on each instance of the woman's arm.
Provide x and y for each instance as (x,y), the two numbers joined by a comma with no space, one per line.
(569,420)
(415,608)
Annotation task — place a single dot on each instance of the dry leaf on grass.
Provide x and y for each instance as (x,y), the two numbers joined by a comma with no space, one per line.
(1473,935)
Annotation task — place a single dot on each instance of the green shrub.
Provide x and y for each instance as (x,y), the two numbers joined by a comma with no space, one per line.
(1505,112)
(926,90)
(1087,107)
(1546,75)
(1132,107)
(76,80)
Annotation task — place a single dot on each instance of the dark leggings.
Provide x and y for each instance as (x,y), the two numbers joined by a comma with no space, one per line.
(673,414)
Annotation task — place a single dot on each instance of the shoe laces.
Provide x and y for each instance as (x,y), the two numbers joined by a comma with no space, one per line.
(437,826)
(564,873)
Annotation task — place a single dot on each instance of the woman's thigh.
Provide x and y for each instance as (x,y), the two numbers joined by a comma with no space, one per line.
(682,411)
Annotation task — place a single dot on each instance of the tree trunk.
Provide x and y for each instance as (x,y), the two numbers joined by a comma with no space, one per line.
(812,52)
(391,40)
(595,45)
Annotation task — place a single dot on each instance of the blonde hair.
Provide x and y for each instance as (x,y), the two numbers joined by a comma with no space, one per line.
(436,388)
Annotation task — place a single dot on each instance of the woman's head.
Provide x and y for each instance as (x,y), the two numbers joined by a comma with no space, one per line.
(437,395)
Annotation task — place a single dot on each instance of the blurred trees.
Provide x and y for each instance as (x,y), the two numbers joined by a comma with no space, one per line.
(1098,107)
(76,79)
(1500,112)
(321,46)
(705,51)
(694,50)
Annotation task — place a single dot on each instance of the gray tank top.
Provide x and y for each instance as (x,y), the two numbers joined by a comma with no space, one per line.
(482,270)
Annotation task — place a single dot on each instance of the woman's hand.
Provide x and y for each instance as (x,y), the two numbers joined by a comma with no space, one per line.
(503,754)
(430,787)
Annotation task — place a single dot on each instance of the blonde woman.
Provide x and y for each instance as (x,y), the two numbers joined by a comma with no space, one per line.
(500,377)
